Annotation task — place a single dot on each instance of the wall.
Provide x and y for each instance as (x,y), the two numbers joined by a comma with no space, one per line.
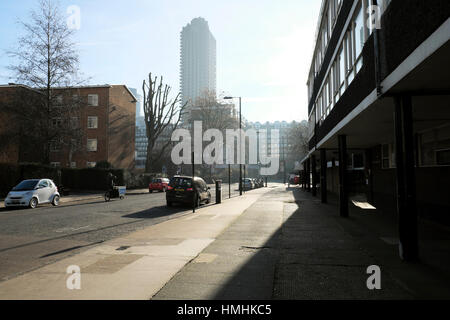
(122,113)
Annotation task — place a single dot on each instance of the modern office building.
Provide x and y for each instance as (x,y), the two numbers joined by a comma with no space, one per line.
(379,115)
(139,103)
(197,60)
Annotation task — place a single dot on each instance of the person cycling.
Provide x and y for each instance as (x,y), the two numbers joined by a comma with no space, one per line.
(110,184)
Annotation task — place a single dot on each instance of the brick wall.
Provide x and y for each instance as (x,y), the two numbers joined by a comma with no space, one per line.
(122,114)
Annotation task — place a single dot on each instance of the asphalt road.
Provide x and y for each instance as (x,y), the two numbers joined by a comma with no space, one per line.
(30,239)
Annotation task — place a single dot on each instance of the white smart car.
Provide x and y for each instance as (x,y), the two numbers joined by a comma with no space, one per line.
(30,193)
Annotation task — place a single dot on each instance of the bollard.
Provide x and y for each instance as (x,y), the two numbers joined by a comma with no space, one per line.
(218,191)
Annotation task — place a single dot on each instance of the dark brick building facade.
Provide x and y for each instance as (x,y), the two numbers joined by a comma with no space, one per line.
(379,121)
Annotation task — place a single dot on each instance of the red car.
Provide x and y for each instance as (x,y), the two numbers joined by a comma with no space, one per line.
(159,184)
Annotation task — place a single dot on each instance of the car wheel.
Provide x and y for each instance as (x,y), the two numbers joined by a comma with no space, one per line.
(33,203)
(169,204)
(55,201)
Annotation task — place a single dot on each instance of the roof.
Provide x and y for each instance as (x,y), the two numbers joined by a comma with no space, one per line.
(12,85)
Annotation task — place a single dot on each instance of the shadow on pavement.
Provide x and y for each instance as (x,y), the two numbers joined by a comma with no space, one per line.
(315,254)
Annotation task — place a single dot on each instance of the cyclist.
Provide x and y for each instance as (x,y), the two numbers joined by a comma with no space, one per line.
(110,183)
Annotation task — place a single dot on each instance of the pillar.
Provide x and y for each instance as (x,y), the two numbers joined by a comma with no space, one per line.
(343,180)
(323,175)
(406,180)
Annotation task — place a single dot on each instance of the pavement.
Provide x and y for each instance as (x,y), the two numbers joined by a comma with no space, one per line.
(134,266)
(271,243)
(289,246)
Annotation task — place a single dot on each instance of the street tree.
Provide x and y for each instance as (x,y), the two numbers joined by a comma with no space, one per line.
(162,116)
(212,113)
(45,59)
(298,137)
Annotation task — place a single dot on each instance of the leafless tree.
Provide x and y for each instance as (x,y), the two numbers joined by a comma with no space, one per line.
(214,115)
(298,134)
(162,116)
(47,59)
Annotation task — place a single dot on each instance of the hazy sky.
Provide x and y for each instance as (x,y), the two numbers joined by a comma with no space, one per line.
(264,47)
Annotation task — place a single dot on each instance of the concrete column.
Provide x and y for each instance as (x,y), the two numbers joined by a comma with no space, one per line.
(343,180)
(406,180)
(323,175)
(308,175)
(314,176)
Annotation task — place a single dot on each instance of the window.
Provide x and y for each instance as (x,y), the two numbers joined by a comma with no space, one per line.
(90,164)
(55,164)
(93,100)
(443,157)
(92,145)
(350,56)
(74,122)
(58,101)
(387,156)
(43,184)
(92,122)
(357,161)
(73,164)
(434,146)
(330,91)
(359,32)
(57,122)
(55,145)
(341,73)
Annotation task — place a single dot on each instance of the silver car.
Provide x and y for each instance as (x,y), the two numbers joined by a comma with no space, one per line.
(247,184)
(31,193)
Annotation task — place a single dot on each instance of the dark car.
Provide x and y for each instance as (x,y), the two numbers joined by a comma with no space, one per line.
(183,190)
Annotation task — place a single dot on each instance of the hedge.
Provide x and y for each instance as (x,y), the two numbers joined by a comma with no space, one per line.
(78,179)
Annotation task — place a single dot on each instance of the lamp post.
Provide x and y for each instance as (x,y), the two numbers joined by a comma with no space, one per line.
(240,141)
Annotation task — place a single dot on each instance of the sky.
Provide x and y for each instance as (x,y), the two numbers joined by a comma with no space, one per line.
(264,47)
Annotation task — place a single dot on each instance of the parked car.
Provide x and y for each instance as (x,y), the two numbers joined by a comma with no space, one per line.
(294,179)
(33,192)
(181,190)
(247,184)
(260,182)
(158,184)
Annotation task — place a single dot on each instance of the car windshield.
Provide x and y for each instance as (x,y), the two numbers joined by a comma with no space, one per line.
(156,181)
(26,185)
(181,182)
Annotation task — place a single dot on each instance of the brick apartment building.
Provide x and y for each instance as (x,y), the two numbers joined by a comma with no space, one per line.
(379,115)
(106,124)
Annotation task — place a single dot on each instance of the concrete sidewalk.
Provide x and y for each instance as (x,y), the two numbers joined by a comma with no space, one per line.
(272,243)
(135,266)
(290,246)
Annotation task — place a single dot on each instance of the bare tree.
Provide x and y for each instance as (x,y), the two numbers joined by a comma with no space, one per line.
(162,116)
(46,59)
(214,115)
(298,135)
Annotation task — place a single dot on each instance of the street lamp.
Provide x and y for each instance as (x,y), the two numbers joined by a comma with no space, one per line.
(240,141)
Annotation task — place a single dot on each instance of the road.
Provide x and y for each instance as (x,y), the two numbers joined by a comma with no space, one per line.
(30,239)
